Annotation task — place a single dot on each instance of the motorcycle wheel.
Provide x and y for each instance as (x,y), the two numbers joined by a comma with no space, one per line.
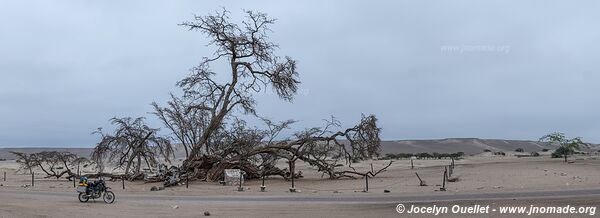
(109,197)
(83,197)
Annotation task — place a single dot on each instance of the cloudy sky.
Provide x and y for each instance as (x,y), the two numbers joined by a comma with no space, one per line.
(428,69)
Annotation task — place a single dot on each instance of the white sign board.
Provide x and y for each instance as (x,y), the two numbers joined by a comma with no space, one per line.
(232,177)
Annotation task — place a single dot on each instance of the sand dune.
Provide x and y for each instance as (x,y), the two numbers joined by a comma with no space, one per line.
(467,145)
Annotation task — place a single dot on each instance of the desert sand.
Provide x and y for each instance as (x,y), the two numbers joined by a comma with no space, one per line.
(482,178)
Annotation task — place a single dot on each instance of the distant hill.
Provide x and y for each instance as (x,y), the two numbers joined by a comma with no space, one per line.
(467,145)
(81,152)
(5,152)
(451,145)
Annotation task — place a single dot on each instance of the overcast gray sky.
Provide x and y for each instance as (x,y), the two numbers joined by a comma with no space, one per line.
(428,69)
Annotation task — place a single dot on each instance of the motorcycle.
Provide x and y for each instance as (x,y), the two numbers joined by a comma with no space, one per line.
(95,190)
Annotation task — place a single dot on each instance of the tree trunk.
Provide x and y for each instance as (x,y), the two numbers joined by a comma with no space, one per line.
(129,164)
(206,145)
(148,164)
(292,166)
(139,164)
(185,147)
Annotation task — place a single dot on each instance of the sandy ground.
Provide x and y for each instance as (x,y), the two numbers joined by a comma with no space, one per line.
(480,174)
(60,206)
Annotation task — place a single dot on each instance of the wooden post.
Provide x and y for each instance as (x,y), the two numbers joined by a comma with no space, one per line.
(421,183)
(263,187)
(5,176)
(123,182)
(443,188)
(32,182)
(449,170)
(78,170)
(73,181)
(446,172)
(292,168)
(366,183)
(292,174)
(240,188)
(187,180)
(412,166)
(445,178)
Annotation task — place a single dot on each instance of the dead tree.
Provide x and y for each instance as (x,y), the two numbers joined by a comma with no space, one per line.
(54,163)
(324,149)
(253,67)
(255,152)
(25,161)
(186,126)
(230,147)
(132,144)
(205,119)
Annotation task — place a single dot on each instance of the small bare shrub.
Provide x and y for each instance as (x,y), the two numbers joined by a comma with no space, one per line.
(453,179)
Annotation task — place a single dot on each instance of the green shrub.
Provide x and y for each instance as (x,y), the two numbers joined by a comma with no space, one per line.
(556,155)
(560,152)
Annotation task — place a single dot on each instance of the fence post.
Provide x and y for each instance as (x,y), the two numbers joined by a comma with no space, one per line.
(32,180)
(421,182)
(443,188)
(293,188)
(123,182)
(412,166)
(447,172)
(366,183)
(187,180)
(263,187)
(5,176)
(240,188)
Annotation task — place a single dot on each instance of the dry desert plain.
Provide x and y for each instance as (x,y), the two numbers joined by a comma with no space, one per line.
(483,179)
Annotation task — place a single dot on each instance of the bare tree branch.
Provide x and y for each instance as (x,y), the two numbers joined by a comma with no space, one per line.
(133,142)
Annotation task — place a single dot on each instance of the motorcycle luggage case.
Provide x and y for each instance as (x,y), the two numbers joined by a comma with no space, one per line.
(81,188)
